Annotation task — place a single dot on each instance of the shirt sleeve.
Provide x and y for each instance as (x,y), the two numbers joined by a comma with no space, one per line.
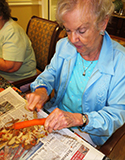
(14,47)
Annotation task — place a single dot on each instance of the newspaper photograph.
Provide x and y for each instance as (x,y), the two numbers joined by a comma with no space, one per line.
(12,105)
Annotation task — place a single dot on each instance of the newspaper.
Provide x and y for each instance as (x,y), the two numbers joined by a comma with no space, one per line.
(12,105)
(58,145)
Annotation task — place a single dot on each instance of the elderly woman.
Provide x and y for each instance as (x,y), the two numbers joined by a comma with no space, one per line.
(17,58)
(87,73)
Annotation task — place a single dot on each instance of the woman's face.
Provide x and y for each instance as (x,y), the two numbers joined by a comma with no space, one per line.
(82,32)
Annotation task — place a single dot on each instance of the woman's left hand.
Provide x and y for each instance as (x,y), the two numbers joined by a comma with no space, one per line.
(59,119)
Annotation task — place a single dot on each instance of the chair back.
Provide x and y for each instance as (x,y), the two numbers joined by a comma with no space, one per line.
(43,34)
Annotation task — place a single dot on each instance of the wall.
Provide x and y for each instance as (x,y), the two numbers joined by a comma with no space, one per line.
(24,10)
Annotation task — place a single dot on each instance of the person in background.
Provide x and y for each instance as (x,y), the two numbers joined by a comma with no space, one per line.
(17,58)
(87,73)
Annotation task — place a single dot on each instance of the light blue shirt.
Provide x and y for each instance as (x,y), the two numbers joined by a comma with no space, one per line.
(72,101)
(103,99)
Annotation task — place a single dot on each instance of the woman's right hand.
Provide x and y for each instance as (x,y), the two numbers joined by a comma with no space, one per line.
(37,99)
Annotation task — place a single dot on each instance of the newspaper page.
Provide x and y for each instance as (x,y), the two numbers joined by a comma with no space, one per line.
(58,145)
(12,106)
(64,145)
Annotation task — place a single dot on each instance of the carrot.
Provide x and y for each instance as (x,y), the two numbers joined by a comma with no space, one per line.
(29,123)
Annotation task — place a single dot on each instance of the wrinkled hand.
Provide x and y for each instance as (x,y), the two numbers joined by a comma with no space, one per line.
(59,119)
(37,99)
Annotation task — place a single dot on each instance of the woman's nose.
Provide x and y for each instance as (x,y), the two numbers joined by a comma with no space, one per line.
(73,37)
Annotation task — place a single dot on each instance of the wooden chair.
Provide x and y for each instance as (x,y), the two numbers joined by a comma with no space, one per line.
(43,34)
(110,145)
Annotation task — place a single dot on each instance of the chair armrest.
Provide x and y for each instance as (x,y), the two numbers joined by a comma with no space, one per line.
(109,145)
(22,82)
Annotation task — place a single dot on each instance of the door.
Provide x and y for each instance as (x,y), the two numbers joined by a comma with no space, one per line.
(52,4)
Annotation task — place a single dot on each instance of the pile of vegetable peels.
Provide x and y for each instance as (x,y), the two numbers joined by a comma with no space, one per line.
(27,137)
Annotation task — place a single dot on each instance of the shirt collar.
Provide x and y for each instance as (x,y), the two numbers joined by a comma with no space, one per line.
(105,62)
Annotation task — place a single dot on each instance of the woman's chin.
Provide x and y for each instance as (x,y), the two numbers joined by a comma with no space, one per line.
(80,50)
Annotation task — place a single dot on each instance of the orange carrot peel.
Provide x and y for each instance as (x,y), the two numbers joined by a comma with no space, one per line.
(24,124)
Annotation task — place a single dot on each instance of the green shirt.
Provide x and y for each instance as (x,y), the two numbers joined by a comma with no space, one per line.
(16,46)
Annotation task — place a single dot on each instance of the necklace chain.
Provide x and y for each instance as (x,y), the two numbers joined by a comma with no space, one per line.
(85,69)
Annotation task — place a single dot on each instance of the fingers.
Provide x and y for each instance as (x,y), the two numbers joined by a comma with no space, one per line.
(59,119)
(49,123)
(36,99)
(56,120)
(52,126)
